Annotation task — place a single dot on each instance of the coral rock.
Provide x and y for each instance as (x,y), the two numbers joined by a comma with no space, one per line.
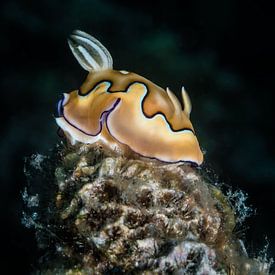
(111,214)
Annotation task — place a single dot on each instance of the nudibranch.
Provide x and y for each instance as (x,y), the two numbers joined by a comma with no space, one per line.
(120,108)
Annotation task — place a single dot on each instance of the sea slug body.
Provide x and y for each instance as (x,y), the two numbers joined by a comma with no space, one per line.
(121,108)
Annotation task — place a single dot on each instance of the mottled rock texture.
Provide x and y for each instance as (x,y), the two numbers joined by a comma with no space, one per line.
(100,213)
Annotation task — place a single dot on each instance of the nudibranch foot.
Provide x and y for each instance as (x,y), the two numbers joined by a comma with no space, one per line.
(125,111)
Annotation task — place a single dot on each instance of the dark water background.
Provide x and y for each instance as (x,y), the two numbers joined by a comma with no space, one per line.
(221,51)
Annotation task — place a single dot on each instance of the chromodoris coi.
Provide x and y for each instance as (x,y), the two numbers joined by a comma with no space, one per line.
(117,108)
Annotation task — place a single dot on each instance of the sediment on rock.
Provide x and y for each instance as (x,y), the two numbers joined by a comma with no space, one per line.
(109,214)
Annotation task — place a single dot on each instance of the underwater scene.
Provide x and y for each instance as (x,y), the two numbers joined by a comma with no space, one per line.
(137,137)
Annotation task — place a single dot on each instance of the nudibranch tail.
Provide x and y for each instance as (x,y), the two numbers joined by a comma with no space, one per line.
(186,102)
(175,101)
(89,52)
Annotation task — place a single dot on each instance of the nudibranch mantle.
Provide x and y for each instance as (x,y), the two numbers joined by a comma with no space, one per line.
(122,109)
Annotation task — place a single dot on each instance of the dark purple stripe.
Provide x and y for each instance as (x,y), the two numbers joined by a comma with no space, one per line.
(103,117)
(60,107)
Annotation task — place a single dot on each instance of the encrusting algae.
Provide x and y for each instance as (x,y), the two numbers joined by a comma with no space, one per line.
(108,214)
